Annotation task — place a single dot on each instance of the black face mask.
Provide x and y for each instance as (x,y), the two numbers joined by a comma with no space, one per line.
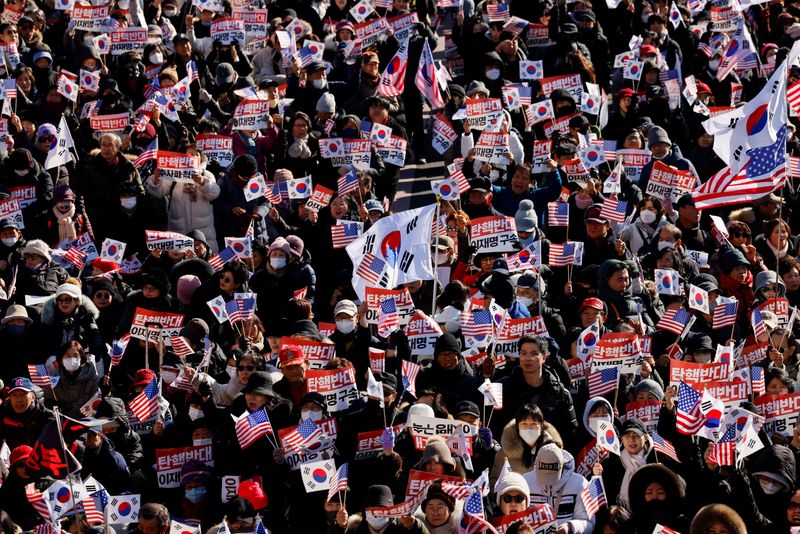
(657,510)
(350,133)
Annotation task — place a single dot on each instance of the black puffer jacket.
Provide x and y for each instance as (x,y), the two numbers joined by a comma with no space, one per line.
(79,326)
(126,441)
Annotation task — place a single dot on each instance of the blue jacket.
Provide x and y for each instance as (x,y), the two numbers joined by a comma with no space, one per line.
(507,202)
(673,159)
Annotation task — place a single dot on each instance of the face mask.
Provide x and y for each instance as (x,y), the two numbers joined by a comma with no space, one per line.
(594,421)
(231,370)
(314,415)
(526,241)
(656,509)
(345,326)
(452,325)
(525,301)
(349,133)
(494,175)
(770,488)
(319,83)
(71,364)
(493,74)
(195,414)
(530,436)
(128,202)
(15,329)
(665,244)
(442,258)
(713,64)
(195,495)
(157,58)
(373,220)
(645,16)
(9,241)
(277,263)
(377,523)
(647,216)
(771,60)
(21,172)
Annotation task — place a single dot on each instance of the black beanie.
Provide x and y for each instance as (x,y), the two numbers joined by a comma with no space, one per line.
(446,342)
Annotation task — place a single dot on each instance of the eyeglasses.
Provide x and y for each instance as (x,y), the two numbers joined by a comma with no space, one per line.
(46,138)
(64,300)
(102,295)
(740,234)
(513,498)
(770,287)
(250,368)
(30,256)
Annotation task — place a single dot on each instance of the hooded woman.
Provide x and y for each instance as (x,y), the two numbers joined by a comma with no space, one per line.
(614,287)
(597,409)
(522,438)
(656,497)
(77,380)
(70,316)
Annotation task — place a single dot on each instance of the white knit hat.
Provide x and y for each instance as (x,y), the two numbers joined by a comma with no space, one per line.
(510,482)
(69,289)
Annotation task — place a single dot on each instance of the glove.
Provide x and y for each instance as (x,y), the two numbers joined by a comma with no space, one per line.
(204,96)
(387,439)
(485,434)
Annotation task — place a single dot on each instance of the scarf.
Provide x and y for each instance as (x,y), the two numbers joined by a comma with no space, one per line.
(66,228)
(631,463)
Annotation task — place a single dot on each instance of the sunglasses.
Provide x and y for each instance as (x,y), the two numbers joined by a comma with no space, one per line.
(226,279)
(46,139)
(103,296)
(246,368)
(770,287)
(740,234)
(508,499)
(64,300)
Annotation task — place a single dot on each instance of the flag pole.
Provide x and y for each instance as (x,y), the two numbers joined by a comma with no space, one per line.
(56,414)
(435,238)
(147,347)
(272,430)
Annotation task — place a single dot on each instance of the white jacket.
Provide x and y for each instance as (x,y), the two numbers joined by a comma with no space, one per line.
(185,215)
(564,494)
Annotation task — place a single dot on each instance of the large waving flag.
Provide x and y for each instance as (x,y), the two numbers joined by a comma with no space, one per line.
(426,79)
(393,77)
(740,53)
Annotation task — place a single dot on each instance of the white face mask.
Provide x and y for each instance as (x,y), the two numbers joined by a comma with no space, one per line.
(377,523)
(319,83)
(771,60)
(530,435)
(665,244)
(713,64)
(128,202)
(169,13)
(493,74)
(277,263)
(594,421)
(195,414)
(452,325)
(231,370)
(314,415)
(770,488)
(21,172)
(494,174)
(157,58)
(9,241)
(71,364)
(442,258)
(647,216)
(345,326)
(525,301)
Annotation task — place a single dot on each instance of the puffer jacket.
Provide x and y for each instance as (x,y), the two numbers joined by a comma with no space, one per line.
(72,392)
(455,385)
(450,526)
(39,283)
(125,440)
(564,496)
(674,159)
(80,326)
(184,214)
(638,235)
(513,448)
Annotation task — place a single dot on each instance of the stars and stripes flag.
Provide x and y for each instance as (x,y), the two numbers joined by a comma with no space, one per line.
(94,515)
(180,346)
(410,370)
(477,323)
(688,418)
(338,482)
(757,379)
(498,12)
(272,192)
(250,427)
(347,183)
(148,154)
(759,326)
(145,404)
(661,529)
(725,313)
(594,496)
(558,214)
(674,320)
(474,519)
(565,254)
(614,210)
(427,78)
(300,293)
(218,260)
(305,433)
(663,446)
(40,377)
(724,451)
(10,88)
(388,319)
(192,72)
(39,502)
(604,381)
(75,256)
(240,309)
(118,347)
(344,233)
(370,268)
(794,166)
(793,96)
(457,490)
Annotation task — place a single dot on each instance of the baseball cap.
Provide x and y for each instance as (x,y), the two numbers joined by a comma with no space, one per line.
(592,302)
(291,355)
(549,464)
(593,214)
(635,426)
(20,383)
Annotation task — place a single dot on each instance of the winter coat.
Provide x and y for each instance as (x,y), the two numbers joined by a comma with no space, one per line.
(622,307)
(23,429)
(80,326)
(564,496)
(356,524)
(73,391)
(125,440)
(507,202)
(674,158)
(455,385)
(184,214)
(105,464)
(638,235)
(39,283)
(450,526)
(231,195)
(514,449)
(42,182)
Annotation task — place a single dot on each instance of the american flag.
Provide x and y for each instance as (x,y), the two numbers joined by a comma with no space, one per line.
(118,347)
(614,210)
(145,405)
(306,57)
(10,88)
(757,379)
(250,427)
(347,183)
(603,382)
(218,261)
(516,26)
(305,434)
(191,70)
(474,518)
(338,482)
(477,323)
(140,122)
(557,214)
(259,529)
(240,309)
(388,319)
(148,154)
(705,49)
(759,326)
(182,382)
(370,268)
(273,194)
(661,529)
(39,502)
(725,314)
(90,109)
(793,96)
(410,371)
(457,491)
(39,376)
(674,320)
(594,496)
(610,149)
(564,254)
(345,233)
(688,418)
(93,514)
(724,451)
(764,172)
(75,256)
(180,346)
(794,166)
(300,293)
(663,446)
(498,12)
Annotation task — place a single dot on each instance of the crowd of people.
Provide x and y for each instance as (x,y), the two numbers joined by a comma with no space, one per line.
(201,203)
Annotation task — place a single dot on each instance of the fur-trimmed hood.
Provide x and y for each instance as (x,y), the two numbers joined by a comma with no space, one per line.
(513,447)
(86,306)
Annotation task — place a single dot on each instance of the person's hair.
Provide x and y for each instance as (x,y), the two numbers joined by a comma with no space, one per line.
(520,527)
(237,270)
(771,224)
(72,345)
(581,65)
(786,264)
(153,510)
(525,167)
(337,363)
(7,526)
(538,340)
(638,134)
(615,268)
(454,292)
(114,138)
(674,230)
(298,310)
(439,407)
(257,359)
(717,513)
(656,204)
(774,373)
(619,519)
